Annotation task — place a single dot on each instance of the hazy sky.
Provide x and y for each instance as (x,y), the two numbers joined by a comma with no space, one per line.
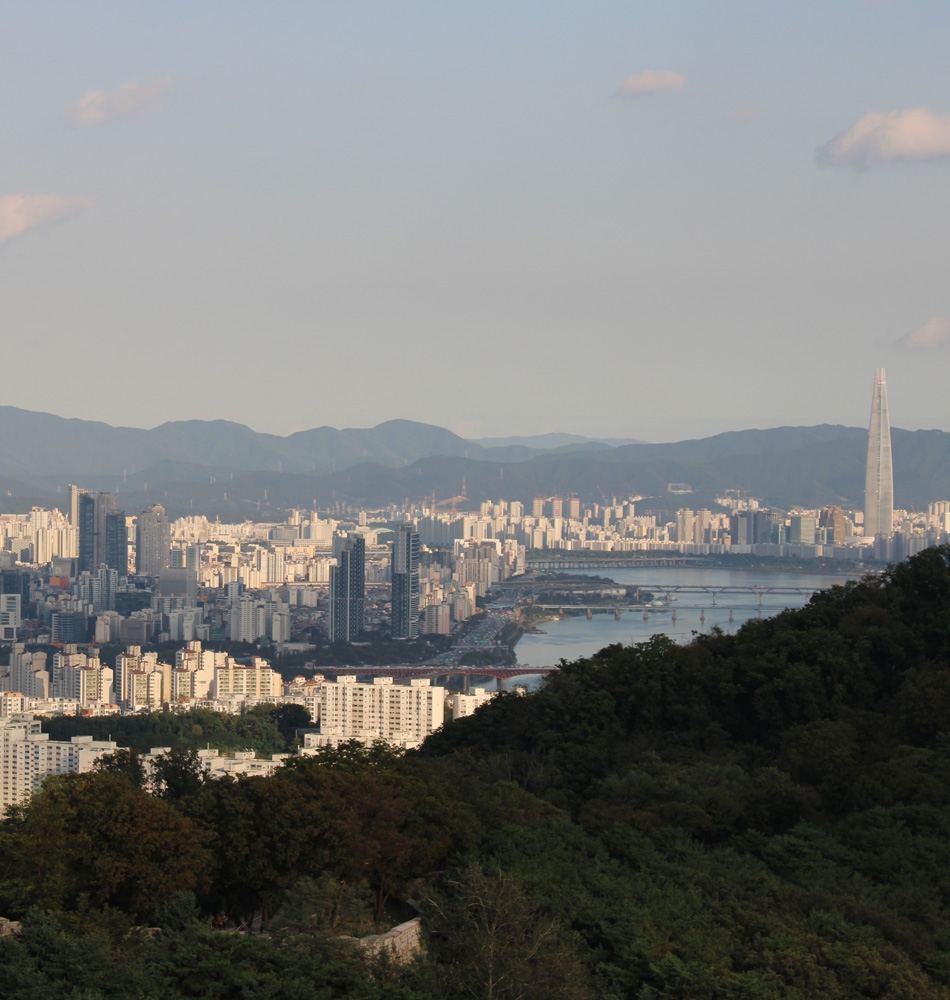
(660,220)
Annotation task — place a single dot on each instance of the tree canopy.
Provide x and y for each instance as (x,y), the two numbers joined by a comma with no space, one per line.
(758,815)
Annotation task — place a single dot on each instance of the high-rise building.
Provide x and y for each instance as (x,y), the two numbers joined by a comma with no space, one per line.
(406,713)
(116,542)
(832,520)
(10,620)
(152,541)
(74,494)
(879,480)
(348,591)
(753,527)
(802,529)
(181,583)
(102,533)
(405,618)
(87,532)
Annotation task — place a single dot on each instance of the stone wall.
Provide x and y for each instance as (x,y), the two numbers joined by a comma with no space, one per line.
(403,941)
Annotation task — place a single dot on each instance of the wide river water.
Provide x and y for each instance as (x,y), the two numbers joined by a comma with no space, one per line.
(573,637)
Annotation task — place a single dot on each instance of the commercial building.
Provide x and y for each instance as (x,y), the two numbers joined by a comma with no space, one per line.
(879,476)
(102,533)
(405,601)
(348,591)
(152,541)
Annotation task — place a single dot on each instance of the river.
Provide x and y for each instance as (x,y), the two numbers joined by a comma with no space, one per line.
(574,637)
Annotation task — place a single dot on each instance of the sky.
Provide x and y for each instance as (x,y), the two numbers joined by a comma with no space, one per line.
(650,220)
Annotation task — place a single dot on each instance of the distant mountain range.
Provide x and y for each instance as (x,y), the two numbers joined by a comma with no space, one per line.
(41,444)
(553,440)
(226,469)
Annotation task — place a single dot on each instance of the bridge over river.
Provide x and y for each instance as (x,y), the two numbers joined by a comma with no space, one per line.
(669,592)
(408,671)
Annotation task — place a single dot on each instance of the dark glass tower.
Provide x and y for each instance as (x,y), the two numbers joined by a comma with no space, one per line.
(87,532)
(879,480)
(405,622)
(348,591)
(116,542)
(102,535)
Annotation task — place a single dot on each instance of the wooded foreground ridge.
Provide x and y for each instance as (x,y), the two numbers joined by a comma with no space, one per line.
(758,815)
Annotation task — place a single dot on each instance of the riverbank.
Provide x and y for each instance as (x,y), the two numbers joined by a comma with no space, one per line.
(714,597)
(545,561)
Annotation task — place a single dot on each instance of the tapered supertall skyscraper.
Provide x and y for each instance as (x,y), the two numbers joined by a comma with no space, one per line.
(879,481)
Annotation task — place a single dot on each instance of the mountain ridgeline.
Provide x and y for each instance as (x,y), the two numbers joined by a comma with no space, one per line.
(227,469)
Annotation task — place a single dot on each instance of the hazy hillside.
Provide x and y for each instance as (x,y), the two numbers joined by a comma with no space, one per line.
(41,444)
(552,440)
(227,469)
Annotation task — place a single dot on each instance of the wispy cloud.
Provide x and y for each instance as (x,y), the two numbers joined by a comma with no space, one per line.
(650,82)
(20,212)
(934,334)
(130,101)
(882,136)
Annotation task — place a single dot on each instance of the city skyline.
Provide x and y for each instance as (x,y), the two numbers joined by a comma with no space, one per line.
(691,212)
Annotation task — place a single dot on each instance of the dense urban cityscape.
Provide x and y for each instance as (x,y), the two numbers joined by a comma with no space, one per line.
(94,576)
(445,550)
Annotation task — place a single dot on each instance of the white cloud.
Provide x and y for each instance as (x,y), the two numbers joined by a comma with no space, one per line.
(20,212)
(933,334)
(650,82)
(131,100)
(880,136)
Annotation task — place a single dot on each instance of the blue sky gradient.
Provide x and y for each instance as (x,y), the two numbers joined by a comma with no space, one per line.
(316,213)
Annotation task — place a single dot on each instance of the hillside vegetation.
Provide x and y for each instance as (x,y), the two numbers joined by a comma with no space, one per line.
(764,815)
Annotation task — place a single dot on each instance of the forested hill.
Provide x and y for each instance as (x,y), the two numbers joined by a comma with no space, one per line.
(758,815)
(750,817)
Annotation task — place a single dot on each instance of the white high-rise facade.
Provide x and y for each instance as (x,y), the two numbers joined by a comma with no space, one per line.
(28,757)
(404,713)
(879,480)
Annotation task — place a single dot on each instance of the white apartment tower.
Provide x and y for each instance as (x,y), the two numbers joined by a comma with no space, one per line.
(381,710)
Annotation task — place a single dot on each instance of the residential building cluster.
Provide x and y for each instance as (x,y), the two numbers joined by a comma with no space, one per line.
(71,681)
(401,715)
(28,757)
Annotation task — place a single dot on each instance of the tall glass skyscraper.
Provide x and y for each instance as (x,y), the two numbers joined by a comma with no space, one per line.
(879,480)
(348,591)
(102,534)
(405,621)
